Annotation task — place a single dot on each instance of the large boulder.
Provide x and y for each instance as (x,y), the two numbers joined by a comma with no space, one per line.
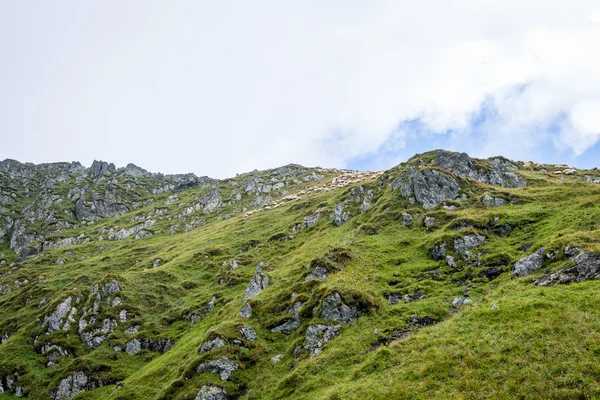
(587,267)
(428,187)
(527,265)
(334,309)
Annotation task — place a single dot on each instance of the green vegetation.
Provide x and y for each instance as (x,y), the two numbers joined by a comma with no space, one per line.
(514,340)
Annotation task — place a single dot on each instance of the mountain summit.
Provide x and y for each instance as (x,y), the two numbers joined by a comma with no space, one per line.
(443,277)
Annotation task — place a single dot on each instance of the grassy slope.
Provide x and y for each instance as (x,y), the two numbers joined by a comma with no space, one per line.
(539,343)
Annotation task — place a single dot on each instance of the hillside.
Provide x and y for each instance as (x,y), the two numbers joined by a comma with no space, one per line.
(443,277)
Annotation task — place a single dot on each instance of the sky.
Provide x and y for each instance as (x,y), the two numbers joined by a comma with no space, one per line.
(223,87)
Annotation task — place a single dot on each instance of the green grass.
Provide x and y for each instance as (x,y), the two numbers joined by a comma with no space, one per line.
(539,342)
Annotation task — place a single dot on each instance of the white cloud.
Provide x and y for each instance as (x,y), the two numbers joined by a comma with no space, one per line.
(224,87)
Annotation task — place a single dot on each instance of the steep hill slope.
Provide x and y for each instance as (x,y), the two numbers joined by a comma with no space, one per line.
(444,277)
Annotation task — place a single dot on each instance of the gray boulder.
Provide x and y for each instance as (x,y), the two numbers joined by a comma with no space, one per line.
(438,252)
(428,187)
(133,347)
(246,311)
(212,344)
(318,335)
(248,333)
(75,384)
(467,242)
(334,309)
(257,284)
(587,267)
(493,201)
(339,216)
(527,265)
(223,367)
(212,393)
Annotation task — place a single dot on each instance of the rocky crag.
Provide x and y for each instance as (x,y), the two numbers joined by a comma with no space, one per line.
(300,282)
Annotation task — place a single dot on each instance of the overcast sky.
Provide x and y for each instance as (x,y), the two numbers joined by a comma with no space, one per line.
(220,87)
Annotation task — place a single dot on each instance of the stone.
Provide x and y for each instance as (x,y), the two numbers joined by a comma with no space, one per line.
(156,262)
(571,251)
(587,267)
(428,187)
(132,330)
(259,282)
(75,384)
(277,358)
(246,311)
(450,262)
(438,252)
(493,201)
(133,347)
(415,297)
(212,344)
(429,222)
(319,273)
(223,367)
(334,309)
(459,301)
(406,218)
(55,320)
(60,261)
(318,335)
(233,265)
(339,216)
(248,333)
(467,242)
(212,393)
(527,265)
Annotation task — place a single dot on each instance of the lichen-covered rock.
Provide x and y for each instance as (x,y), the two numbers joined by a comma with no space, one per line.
(248,333)
(493,201)
(318,335)
(212,344)
(62,317)
(319,273)
(212,393)
(259,282)
(587,267)
(339,215)
(334,309)
(428,187)
(133,347)
(223,367)
(406,218)
(438,252)
(246,311)
(467,242)
(75,384)
(527,265)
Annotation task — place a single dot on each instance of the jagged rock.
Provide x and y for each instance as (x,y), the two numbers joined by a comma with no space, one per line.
(318,335)
(288,326)
(212,344)
(334,309)
(438,252)
(498,174)
(75,384)
(319,272)
(101,168)
(572,251)
(212,201)
(223,367)
(132,330)
(133,346)
(527,265)
(459,301)
(97,336)
(64,312)
(135,171)
(308,222)
(406,218)
(493,201)
(587,267)
(246,311)
(233,265)
(428,187)
(339,216)
(467,242)
(212,393)
(451,263)
(52,352)
(257,284)
(429,222)
(248,333)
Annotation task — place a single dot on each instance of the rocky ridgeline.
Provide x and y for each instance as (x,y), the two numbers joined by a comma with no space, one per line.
(40,202)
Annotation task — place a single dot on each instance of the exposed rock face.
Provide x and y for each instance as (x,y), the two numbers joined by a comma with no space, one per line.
(587,267)
(212,393)
(339,216)
(223,367)
(212,344)
(248,333)
(439,251)
(334,309)
(291,324)
(428,187)
(259,282)
(319,272)
(246,311)
(468,242)
(527,265)
(318,335)
(62,317)
(497,174)
(75,384)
